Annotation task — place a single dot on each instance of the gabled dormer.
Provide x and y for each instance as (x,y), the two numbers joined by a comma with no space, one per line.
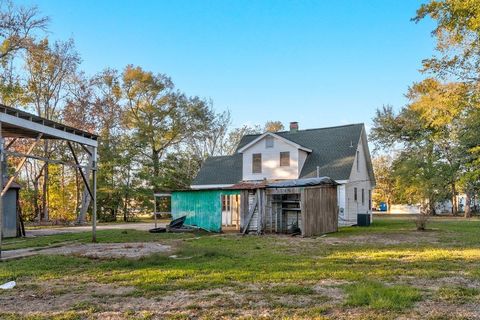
(272,157)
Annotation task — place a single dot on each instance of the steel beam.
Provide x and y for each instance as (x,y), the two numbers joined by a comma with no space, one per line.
(94,198)
(1,183)
(19,166)
(46,130)
(84,178)
(32,156)
(10,143)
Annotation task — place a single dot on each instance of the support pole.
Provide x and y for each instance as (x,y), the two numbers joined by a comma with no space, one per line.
(84,178)
(155,209)
(1,183)
(94,197)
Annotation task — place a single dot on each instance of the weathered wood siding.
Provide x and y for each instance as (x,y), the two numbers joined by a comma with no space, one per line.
(319,210)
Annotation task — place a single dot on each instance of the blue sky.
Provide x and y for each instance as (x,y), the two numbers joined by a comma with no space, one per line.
(318,62)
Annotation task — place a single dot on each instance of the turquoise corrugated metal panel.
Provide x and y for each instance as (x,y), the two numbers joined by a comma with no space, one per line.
(202,208)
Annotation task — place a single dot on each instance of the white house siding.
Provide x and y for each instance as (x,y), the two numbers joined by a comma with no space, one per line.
(359,179)
(302,156)
(271,161)
(341,203)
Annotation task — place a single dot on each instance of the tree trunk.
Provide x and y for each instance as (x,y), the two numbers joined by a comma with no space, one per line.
(77,193)
(454,200)
(468,209)
(36,192)
(85,196)
(156,164)
(44,216)
(36,207)
(125,210)
(127,195)
(431,207)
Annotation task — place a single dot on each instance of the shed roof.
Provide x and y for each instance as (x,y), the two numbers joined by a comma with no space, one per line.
(307,182)
(21,124)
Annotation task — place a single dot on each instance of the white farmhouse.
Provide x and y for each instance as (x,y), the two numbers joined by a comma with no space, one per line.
(340,153)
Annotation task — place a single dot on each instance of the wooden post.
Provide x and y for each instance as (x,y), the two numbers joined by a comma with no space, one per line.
(303,213)
(94,197)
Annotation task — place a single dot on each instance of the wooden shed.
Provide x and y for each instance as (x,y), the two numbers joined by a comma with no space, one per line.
(303,206)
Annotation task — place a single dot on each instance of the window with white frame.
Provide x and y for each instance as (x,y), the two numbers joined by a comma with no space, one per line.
(285,159)
(257,163)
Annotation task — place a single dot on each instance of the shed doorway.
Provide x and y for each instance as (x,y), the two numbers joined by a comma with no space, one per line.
(286,215)
(230,212)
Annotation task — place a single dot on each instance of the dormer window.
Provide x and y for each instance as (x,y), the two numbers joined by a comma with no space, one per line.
(257,163)
(269,142)
(285,159)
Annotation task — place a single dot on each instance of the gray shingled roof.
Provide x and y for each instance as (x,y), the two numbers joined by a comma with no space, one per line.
(220,170)
(333,152)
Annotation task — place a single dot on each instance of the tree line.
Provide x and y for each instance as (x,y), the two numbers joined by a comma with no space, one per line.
(429,150)
(152,136)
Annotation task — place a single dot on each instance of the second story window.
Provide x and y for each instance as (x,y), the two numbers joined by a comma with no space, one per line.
(354,194)
(284,159)
(269,142)
(257,163)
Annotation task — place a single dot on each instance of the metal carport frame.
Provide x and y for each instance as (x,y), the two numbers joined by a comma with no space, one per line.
(16,123)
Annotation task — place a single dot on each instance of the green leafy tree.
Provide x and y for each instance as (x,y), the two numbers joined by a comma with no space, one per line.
(159,118)
(385,180)
(18,27)
(458,38)
(417,167)
(457,58)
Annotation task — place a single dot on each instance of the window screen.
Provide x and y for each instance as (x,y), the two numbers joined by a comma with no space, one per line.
(257,163)
(363,196)
(285,159)
(269,142)
(355,194)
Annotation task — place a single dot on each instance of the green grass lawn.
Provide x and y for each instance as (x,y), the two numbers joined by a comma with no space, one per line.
(380,272)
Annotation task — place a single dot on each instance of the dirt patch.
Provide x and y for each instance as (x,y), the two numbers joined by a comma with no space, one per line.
(331,289)
(134,250)
(385,239)
(112,301)
(435,284)
(442,310)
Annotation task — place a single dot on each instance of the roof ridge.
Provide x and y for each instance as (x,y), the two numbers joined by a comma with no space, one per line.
(310,129)
(224,156)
